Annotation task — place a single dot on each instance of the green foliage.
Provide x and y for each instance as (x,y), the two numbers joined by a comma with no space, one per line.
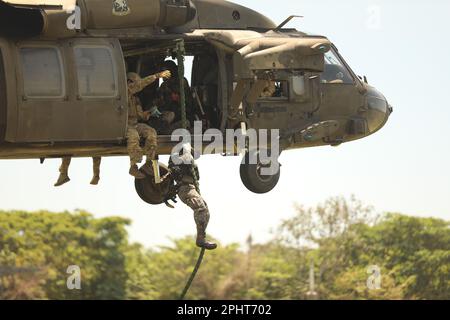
(49,243)
(418,250)
(340,238)
(277,273)
(168,269)
(412,253)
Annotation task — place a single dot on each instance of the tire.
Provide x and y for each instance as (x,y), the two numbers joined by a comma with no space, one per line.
(254,181)
(150,192)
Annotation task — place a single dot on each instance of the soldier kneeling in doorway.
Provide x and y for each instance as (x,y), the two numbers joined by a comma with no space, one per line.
(137,127)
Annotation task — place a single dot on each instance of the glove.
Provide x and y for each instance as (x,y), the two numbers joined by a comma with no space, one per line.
(166,74)
(154,112)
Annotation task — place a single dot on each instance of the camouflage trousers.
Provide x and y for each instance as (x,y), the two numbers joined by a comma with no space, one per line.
(134,134)
(65,164)
(189,195)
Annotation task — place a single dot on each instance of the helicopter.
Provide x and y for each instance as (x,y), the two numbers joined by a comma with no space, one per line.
(63,83)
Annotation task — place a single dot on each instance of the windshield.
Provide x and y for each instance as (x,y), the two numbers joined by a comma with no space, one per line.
(335,71)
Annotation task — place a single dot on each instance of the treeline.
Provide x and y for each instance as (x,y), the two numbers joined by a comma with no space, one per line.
(342,241)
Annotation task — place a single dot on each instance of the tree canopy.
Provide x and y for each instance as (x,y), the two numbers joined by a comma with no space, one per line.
(341,239)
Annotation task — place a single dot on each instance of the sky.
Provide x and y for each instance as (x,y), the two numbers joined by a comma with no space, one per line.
(403,49)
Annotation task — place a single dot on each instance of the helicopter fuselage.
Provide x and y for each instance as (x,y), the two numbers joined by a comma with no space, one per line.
(63,92)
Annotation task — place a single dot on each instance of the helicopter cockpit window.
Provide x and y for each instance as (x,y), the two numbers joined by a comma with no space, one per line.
(275,90)
(335,71)
(95,69)
(42,72)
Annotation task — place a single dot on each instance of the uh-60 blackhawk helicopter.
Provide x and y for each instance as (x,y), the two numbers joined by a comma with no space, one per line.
(63,90)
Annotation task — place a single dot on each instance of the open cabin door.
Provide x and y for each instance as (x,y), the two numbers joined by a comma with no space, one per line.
(274,76)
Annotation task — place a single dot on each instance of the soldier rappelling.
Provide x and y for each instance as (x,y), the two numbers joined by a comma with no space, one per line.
(185,172)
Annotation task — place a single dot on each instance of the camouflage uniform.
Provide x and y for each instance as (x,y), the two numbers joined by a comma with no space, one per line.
(270,90)
(96,162)
(186,176)
(64,171)
(136,130)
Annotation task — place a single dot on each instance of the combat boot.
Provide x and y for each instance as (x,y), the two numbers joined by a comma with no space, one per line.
(96,161)
(62,179)
(201,217)
(134,171)
(95,180)
(201,240)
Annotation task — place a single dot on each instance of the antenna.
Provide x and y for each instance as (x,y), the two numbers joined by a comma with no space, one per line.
(285,22)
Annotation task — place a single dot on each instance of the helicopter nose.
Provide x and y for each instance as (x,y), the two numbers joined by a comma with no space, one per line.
(378,110)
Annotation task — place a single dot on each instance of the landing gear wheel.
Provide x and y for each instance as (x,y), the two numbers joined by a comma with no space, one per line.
(253,178)
(150,192)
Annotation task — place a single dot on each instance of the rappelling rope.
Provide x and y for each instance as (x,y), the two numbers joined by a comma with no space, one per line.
(180,51)
(202,251)
(193,274)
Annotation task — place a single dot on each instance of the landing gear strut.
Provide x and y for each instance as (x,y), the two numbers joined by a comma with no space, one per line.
(253,176)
